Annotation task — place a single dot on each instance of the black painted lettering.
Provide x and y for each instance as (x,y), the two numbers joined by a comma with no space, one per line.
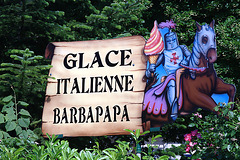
(99,112)
(75,86)
(58,86)
(128,82)
(107,59)
(107,115)
(56,116)
(118,83)
(125,113)
(97,59)
(83,85)
(91,84)
(98,84)
(65,85)
(90,115)
(108,84)
(69,64)
(82,116)
(81,61)
(116,111)
(64,116)
(125,56)
(73,118)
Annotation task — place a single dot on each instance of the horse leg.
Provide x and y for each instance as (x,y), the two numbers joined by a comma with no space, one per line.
(203,101)
(222,87)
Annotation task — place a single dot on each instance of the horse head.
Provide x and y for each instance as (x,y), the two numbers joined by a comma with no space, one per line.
(206,40)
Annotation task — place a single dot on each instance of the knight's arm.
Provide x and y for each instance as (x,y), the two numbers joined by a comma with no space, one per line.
(159,60)
(152,67)
(186,53)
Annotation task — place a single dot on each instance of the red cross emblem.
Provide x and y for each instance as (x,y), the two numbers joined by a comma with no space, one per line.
(174,59)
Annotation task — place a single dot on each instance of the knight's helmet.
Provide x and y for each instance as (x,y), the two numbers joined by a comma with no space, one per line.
(171,41)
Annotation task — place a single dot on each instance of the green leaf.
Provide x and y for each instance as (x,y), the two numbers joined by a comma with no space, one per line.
(137,133)
(1,134)
(10,114)
(24,113)
(10,125)
(10,104)
(4,135)
(1,119)
(7,99)
(191,125)
(24,122)
(24,134)
(18,130)
(23,103)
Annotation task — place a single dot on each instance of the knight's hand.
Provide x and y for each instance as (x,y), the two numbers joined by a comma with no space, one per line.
(152,68)
(148,73)
(184,62)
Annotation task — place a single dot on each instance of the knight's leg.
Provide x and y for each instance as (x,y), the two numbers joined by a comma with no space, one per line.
(171,95)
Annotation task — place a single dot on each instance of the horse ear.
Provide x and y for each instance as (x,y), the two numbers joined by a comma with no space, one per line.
(212,24)
(199,27)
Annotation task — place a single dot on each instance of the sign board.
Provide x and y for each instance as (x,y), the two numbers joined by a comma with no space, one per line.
(97,87)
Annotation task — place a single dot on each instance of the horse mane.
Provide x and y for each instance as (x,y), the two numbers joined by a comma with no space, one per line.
(196,53)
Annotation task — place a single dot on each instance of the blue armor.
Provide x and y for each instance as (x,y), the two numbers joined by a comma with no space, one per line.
(170,58)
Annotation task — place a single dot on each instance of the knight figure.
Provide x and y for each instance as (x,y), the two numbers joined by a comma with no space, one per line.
(172,56)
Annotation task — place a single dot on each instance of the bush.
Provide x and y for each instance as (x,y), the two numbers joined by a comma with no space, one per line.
(215,136)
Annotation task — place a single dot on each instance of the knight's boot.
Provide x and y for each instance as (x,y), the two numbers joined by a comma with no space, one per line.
(193,74)
(174,107)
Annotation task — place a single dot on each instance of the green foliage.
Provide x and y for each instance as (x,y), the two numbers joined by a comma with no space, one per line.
(136,135)
(219,134)
(15,121)
(24,74)
(120,18)
(28,24)
(56,149)
(27,78)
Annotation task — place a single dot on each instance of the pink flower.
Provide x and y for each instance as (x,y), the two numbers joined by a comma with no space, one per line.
(187,137)
(194,133)
(210,144)
(188,149)
(191,144)
(198,115)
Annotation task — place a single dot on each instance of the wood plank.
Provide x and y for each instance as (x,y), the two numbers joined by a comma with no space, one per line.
(98,88)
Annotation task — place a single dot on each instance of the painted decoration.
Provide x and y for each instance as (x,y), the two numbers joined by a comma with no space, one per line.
(98,88)
(180,81)
(102,87)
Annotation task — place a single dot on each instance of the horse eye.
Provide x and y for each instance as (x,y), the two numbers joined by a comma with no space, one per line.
(204,39)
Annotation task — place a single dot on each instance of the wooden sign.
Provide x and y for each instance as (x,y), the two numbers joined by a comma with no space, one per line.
(98,88)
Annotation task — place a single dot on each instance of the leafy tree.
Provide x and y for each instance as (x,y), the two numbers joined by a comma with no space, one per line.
(26,77)
(28,24)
